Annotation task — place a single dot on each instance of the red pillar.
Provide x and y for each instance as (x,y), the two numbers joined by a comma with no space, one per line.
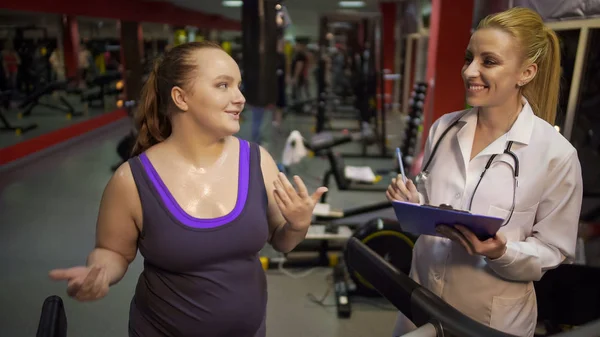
(70,45)
(132,52)
(448,39)
(388,38)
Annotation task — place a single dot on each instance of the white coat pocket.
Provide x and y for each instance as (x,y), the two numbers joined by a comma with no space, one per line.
(516,316)
(520,224)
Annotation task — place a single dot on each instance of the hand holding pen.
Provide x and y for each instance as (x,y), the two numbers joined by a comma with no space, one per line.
(401,188)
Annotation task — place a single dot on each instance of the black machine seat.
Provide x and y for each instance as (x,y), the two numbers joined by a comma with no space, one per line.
(33,100)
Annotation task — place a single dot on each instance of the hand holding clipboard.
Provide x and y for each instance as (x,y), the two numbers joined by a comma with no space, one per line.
(477,233)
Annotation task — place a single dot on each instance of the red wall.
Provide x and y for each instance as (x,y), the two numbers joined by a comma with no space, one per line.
(131,10)
(449,35)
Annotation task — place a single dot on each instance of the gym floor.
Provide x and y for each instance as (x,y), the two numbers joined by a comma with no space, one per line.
(49,207)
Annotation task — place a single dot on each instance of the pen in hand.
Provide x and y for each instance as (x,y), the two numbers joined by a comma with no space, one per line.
(400,164)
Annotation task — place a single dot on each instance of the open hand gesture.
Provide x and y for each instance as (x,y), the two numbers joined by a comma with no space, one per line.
(84,283)
(296,206)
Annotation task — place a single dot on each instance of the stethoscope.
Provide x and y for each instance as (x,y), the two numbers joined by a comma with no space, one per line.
(423,176)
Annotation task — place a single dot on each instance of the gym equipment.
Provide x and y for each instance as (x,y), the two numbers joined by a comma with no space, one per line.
(6,125)
(568,296)
(322,144)
(357,57)
(103,85)
(386,238)
(428,312)
(33,100)
(53,320)
(382,235)
(414,123)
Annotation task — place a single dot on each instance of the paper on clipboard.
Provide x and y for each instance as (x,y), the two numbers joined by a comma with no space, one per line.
(423,219)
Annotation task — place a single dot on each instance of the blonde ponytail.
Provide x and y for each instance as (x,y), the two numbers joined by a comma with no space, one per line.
(543,91)
(541,46)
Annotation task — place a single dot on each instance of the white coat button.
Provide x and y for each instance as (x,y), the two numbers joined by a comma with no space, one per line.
(457,196)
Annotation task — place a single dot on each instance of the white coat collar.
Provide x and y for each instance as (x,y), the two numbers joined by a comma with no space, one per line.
(520,132)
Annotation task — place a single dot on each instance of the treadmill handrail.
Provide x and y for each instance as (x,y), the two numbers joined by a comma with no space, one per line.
(416,302)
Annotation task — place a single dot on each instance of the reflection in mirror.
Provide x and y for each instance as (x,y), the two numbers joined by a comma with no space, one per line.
(58,72)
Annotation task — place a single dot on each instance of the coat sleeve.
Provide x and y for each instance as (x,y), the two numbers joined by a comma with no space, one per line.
(555,229)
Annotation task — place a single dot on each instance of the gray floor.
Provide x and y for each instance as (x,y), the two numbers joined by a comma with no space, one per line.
(48,209)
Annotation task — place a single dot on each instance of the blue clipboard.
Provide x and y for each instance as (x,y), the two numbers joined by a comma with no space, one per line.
(422,220)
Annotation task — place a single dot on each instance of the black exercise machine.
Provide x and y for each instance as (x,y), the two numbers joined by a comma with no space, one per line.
(428,312)
(5,124)
(33,100)
(101,86)
(53,319)
(434,317)
(322,144)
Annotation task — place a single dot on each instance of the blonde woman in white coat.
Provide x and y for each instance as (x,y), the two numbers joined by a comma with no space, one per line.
(511,75)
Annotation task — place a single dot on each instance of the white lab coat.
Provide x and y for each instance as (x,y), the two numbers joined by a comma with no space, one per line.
(541,233)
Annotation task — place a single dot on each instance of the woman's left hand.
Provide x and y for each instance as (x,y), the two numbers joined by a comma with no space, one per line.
(296,206)
(492,248)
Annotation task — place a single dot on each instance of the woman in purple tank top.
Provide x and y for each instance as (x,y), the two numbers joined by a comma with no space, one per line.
(198,203)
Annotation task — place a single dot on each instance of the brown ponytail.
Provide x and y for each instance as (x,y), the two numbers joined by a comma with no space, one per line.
(153,126)
(540,45)
(152,118)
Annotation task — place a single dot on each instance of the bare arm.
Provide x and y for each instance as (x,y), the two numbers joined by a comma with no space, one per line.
(290,209)
(277,222)
(116,229)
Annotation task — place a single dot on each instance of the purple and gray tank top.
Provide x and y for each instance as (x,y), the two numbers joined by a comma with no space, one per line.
(201,277)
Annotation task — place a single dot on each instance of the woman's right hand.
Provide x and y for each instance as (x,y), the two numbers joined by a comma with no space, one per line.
(400,192)
(84,283)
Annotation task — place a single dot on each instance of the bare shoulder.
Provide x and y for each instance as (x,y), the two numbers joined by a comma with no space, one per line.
(121,193)
(268,166)
(266,160)
(122,179)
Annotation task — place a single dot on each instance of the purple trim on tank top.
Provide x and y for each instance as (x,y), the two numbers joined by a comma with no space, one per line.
(188,220)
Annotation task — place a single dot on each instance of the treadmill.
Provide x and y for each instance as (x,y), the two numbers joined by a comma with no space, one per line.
(432,316)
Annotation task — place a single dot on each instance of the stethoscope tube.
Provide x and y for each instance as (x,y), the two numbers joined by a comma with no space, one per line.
(423,176)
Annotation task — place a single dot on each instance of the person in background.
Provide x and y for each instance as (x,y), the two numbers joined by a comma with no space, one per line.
(531,178)
(282,75)
(299,71)
(10,63)
(198,203)
(57,62)
(84,63)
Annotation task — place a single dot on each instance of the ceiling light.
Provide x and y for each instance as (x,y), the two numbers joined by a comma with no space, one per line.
(352,4)
(232,3)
